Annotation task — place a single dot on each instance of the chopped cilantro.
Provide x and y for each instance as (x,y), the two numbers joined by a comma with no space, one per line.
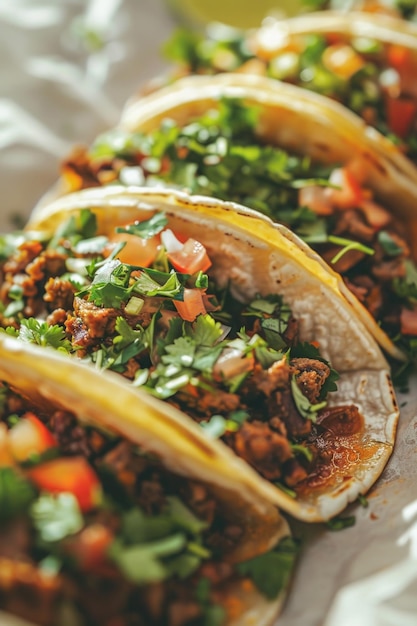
(33,331)
(271,572)
(340,523)
(76,228)
(153,283)
(142,563)
(93,245)
(389,245)
(110,285)
(309,351)
(205,331)
(363,500)
(347,244)
(407,287)
(302,450)
(16,493)
(184,518)
(304,406)
(289,492)
(151,548)
(140,528)
(213,615)
(146,228)
(13,308)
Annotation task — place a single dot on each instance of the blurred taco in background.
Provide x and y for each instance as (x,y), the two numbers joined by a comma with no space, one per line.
(301,159)
(366,61)
(223,315)
(394,8)
(113,513)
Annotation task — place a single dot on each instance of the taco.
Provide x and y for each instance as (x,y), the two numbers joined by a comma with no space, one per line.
(307,163)
(366,61)
(111,512)
(225,316)
(393,8)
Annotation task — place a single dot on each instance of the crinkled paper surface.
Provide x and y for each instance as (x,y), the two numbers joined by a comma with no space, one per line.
(66,68)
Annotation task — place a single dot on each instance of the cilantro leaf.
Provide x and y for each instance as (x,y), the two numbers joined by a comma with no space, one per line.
(33,331)
(142,563)
(16,493)
(340,523)
(309,351)
(271,572)
(127,344)
(407,287)
(146,285)
(140,528)
(181,352)
(77,227)
(213,615)
(110,286)
(205,330)
(147,228)
(304,406)
(388,244)
(184,518)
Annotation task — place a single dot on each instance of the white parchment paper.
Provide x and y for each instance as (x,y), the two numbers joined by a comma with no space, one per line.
(66,68)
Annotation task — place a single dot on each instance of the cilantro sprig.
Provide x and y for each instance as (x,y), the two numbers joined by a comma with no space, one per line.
(152,548)
(34,331)
(16,494)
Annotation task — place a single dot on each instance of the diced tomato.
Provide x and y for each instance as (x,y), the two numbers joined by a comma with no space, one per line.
(316,198)
(29,437)
(191,306)
(409,321)
(69,475)
(376,215)
(342,60)
(137,251)
(401,113)
(191,258)
(398,57)
(90,546)
(404,61)
(350,194)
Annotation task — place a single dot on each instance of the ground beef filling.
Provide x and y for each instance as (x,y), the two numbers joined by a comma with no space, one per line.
(95,593)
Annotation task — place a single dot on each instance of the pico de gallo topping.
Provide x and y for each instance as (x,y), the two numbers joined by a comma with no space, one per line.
(94,531)
(376,80)
(237,368)
(220,155)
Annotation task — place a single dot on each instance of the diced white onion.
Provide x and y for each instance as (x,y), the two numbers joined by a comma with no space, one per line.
(77,265)
(132,176)
(170,242)
(230,363)
(134,306)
